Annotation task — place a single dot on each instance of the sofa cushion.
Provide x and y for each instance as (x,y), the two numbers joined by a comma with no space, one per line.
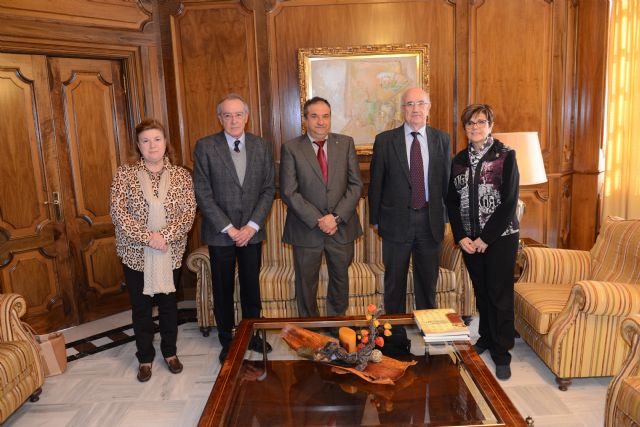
(361,280)
(615,257)
(539,304)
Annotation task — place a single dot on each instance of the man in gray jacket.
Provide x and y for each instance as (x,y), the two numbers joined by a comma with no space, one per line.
(320,183)
(233,176)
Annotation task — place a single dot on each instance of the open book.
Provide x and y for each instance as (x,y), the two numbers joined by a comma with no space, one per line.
(441,324)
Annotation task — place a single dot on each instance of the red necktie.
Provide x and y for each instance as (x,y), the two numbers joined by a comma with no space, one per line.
(416,169)
(322,161)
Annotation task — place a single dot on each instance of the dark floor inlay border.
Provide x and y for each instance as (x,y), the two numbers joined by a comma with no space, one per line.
(85,346)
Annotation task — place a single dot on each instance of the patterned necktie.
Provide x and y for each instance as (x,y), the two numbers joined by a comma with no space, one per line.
(416,168)
(322,161)
(236,146)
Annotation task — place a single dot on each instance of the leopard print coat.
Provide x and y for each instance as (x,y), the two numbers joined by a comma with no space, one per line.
(129,212)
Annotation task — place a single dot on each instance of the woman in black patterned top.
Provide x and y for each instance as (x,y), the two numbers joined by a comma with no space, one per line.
(481,202)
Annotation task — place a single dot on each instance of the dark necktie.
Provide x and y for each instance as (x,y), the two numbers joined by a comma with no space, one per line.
(416,169)
(322,161)
(236,146)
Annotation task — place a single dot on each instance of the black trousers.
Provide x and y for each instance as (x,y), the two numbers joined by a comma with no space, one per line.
(223,267)
(141,316)
(492,276)
(425,251)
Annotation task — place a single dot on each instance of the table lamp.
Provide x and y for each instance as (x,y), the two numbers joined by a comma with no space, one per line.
(529,158)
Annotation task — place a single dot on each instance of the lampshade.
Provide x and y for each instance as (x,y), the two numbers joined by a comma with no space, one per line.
(528,155)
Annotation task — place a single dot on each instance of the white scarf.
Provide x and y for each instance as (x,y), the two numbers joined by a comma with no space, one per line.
(158,274)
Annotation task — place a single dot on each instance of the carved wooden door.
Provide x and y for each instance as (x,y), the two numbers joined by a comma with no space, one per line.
(89,113)
(63,133)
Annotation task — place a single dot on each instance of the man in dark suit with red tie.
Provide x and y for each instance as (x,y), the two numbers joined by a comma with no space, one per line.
(410,170)
(320,183)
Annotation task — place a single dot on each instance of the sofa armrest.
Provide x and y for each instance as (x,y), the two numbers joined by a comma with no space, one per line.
(617,400)
(555,266)
(594,298)
(12,308)
(630,329)
(607,298)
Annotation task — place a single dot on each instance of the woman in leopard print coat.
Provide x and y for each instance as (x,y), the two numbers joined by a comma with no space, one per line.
(143,193)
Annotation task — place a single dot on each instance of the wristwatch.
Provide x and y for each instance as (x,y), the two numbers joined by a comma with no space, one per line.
(338,219)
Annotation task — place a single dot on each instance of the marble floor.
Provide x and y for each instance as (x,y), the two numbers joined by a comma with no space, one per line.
(100,389)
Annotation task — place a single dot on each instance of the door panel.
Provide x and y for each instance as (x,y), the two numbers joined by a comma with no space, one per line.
(90,101)
(34,258)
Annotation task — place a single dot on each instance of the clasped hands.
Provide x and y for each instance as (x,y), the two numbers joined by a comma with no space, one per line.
(241,236)
(473,246)
(157,241)
(328,224)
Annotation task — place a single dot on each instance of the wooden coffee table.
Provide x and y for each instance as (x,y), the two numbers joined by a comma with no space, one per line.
(450,386)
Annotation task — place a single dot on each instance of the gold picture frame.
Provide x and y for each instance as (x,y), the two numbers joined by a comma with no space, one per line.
(363,84)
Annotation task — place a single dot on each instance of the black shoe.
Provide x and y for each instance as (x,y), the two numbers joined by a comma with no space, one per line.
(223,353)
(174,365)
(144,372)
(503,372)
(256,344)
(479,349)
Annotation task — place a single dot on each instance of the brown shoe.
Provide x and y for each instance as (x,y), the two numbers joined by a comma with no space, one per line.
(144,372)
(174,365)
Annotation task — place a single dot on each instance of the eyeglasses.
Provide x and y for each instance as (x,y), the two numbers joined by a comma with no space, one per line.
(479,123)
(418,104)
(228,116)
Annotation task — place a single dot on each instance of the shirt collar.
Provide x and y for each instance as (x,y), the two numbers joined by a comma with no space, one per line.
(422,131)
(313,140)
(231,140)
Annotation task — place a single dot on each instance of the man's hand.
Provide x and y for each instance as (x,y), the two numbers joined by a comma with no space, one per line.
(233,233)
(244,235)
(328,224)
(156,241)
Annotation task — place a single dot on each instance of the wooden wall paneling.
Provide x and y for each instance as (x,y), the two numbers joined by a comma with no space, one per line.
(214,55)
(524,69)
(122,14)
(93,139)
(162,12)
(589,121)
(34,259)
(463,73)
(304,23)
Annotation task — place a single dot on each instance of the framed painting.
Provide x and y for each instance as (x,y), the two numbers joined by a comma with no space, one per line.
(363,84)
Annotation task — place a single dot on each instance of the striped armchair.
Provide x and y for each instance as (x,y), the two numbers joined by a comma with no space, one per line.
(569,304)
(21,371)
(623,395)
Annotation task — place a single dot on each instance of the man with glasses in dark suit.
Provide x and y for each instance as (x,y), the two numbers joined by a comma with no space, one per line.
(410,170)
(233,176)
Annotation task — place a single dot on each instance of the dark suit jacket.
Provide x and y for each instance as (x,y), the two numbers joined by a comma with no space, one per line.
(308,198)
(221,198)
(390,185)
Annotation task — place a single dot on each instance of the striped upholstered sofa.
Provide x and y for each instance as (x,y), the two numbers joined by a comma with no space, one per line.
(366,275)
(569,304)
(21,371)
(623,395)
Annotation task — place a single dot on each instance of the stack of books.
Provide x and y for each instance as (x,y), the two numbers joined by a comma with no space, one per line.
(441,325)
